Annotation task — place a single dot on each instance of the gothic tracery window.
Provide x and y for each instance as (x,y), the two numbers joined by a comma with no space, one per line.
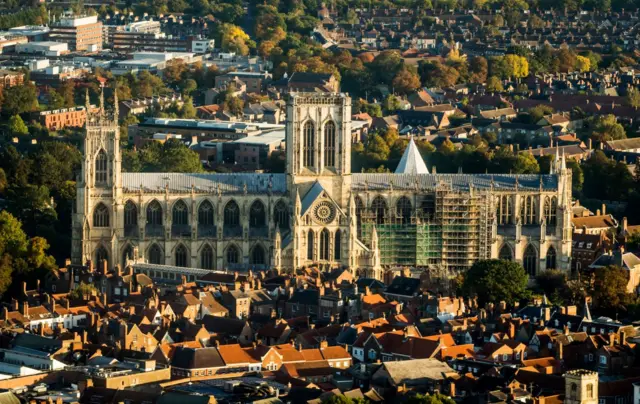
(330,144)
(181,256)
(310,240)
(550,207)
(101,216)
(379,209)
(233,255)
(257,255)
(180,213)
(155,255)
(337,246)
(130,214)
(206,257)
(309,144)
(281,216)
(206,214)
(324,244)
(232,214)
(551,258)
(102,168)
(154,214)
(530,260)
(257,215)
(403,209)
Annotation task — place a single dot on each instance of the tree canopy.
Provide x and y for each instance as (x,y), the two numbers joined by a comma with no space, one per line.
(495,281)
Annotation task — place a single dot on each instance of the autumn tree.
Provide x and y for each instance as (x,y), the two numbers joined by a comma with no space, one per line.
(633,97)
(406,81)
(478,68)
(494,85)
(234,39)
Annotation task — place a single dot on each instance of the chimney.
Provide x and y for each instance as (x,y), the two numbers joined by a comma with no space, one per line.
(321,290)
(612,339)
(572,310)
(132,310)
(452,389)
(565,330)
(547,314)
(624,224)
(559,351)
(105,267)
(623,337)
(598,212)
(235,275)
(503,306)
(24,308)
(367,291)
(512,330)
(24,288)
(604,209)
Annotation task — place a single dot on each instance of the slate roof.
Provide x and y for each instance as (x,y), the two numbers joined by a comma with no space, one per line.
(403,286)
(306,296)
(204,183)
(525,182)
(190,358)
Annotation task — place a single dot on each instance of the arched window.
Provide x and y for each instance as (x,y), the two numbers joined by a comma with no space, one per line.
(102,169)
(257,255)
(130,214)
(551,258)
(379,209)
(310,238)
(155,255)
(528,210)
(232,214)
(206,257)
(530,260)
(550,207)
(309,144)
(505,209)
(100,216)
(589,390)
(403,210)
(127,254)
(154,214)
(281,216)
(257,216)
(324,244)
(180,214)
(337,246)
(181,256)
(505,253)
(205,214)
(232,255)
(330,144)
(359,210)
(101,255)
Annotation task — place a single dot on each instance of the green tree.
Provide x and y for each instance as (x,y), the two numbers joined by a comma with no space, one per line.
(189,86)
(608,128)
(436,398)
(552,282)
(494,85)
(377,148)
(633,97)
(496,280)
(54,99)
(83,291)
(610,288)
(633,241)
(20,99)
(17,126)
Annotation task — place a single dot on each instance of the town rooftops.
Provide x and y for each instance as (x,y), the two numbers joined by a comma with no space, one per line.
(594,222)
(414,372)
(198,358)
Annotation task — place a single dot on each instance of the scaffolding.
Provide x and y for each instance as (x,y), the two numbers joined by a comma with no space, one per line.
(447,228)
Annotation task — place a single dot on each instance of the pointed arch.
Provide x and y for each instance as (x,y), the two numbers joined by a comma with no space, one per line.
(530,260)
(528,210)
(154,213)
(180,214)
(505,253)
(258,255)
(330,144)
(404,210)
(101,254)
(101,168)
(257,215)
(550,210)
(127,254)
(130,214)
(324,244)
(207,257)
(309,144)
(231,214)
(181,256)
(310,240)
(232,255)
(551,258)
(206,215)
(505,210)
(281,215)
(337,246)
(100,215)
(155,255)
(379,209)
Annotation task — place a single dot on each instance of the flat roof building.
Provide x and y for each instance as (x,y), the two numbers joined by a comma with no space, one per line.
(82,33)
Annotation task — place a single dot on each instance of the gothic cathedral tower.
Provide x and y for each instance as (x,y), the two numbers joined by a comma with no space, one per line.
(318,138)
(99,189)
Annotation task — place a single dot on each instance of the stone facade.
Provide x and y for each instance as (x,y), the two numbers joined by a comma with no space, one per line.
(318,211)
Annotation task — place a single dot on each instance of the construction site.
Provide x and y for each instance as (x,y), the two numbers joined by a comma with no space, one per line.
(441,228)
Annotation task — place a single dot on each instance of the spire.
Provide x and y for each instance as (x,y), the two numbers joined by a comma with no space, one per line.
(352,205)
(563,163)
(374,239)
(87,102)
(411,161)
(116,107)
(298,205)
(102,100)
(545,302)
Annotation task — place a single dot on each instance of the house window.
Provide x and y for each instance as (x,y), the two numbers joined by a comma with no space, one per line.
(372,354)
(505,357)
(603,360)
(590,357)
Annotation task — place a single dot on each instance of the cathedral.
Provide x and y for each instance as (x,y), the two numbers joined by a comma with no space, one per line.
(318,212)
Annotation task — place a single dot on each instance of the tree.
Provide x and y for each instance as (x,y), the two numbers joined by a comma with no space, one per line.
(174,71)
(552,282)
(234,39)
(608,128)
(436,398)
(633,241)
(406,81)
(83,291)
(536,22)
(377,148)
(336,399)
(20,99)
(437,74)
(54,99)
(610,288)
(583,64)
(538,112)
(633,97)
(479,68)
(496,280)
(17,126)
(67,91)
(516,66)
(494,85)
